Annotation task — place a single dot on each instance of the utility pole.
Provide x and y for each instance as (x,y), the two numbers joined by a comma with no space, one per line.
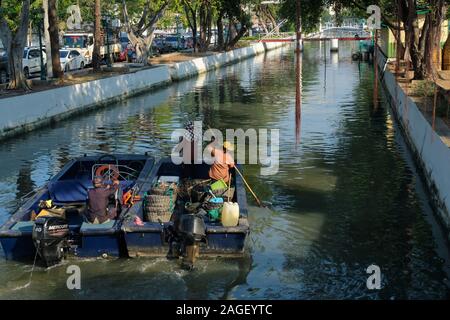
(298,72)
(298,24)
(41,49)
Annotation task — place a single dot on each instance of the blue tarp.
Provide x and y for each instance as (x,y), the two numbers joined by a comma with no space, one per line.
(64,191)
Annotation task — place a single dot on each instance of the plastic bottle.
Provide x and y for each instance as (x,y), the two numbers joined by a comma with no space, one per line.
(230,214)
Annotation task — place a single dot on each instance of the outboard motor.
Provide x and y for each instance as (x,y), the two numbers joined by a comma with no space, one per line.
(191,230)
(50,235)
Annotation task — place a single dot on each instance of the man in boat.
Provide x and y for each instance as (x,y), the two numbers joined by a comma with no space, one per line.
(99,209)
(223,161)
(187,143)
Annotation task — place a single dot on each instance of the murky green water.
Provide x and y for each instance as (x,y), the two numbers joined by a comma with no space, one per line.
(346,197)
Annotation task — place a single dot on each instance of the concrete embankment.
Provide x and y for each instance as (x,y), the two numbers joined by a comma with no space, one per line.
(27,112)
(430,151)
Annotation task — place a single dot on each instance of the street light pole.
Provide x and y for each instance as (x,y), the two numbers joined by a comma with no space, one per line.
(43,69)
(108,49)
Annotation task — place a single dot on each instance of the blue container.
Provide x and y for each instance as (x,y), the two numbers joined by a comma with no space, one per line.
(214,206)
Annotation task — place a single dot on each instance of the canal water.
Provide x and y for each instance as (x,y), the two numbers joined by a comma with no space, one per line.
(346,196)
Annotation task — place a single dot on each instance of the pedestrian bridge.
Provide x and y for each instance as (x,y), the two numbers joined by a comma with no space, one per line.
(348,30)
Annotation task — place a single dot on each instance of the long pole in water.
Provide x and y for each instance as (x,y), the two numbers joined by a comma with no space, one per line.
(298,74)
(249,188)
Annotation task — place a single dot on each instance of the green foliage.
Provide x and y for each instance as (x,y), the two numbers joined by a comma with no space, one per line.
(10,11)
(311,11)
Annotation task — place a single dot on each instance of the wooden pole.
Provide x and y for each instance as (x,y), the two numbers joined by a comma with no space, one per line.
(248,187)
(375,64)
(298,73)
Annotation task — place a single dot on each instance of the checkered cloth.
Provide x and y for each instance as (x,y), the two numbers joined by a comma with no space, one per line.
(190,134)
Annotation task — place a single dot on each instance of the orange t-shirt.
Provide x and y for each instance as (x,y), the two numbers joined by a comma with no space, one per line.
(220,168)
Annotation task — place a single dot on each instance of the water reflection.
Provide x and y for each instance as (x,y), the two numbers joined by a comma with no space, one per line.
(347,196)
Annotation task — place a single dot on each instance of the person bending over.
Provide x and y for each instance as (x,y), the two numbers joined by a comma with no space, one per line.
(102,202)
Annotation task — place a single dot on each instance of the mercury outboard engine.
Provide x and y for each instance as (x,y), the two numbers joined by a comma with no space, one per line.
(50,235)
(191,232)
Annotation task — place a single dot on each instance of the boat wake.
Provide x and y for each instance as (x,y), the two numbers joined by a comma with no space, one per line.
(22,287)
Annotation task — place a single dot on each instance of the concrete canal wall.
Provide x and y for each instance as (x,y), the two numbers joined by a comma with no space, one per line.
(194,67)
(431,153)
(30,111)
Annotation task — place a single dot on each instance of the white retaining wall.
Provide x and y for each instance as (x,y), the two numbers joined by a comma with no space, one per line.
(431,152)
(194,67)
(30,111)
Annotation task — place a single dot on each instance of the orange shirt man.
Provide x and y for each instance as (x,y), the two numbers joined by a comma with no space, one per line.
(223,162)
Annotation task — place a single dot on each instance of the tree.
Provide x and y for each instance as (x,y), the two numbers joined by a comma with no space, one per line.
(205,18)
(54,39)
(96,58)
(266,15)
(239,21)
(13,36)
(191,9)
(311,12)
(422,47)
(147,13)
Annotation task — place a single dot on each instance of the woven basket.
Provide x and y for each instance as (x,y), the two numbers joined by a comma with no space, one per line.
(159,200)
(159,205)
(157,216)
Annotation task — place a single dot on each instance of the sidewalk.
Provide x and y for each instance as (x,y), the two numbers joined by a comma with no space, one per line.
(441,125)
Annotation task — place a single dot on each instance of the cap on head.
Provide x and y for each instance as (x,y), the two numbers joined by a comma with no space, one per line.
(228,145)
(97,182)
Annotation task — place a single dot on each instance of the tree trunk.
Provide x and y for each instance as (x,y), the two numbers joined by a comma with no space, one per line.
(446,55)
(260,15)
(238,36)
(143,44)
(219,22)
(271,18)
(54,39)
(48,45)
(191,15)
(96,58)
(205,25)
(15,44)
(437,16)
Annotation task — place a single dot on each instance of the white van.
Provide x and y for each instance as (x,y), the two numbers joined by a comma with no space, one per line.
(31,62)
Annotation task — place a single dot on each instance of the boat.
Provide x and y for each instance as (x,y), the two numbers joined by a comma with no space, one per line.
(158,238)
(65,232)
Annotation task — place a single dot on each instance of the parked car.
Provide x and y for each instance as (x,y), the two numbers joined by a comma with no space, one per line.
(160,46)
(31,61)
(3,66)
(175,42)
(71,59)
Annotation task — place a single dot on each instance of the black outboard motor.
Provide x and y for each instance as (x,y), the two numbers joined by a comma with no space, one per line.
(191,230)
(50,235)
